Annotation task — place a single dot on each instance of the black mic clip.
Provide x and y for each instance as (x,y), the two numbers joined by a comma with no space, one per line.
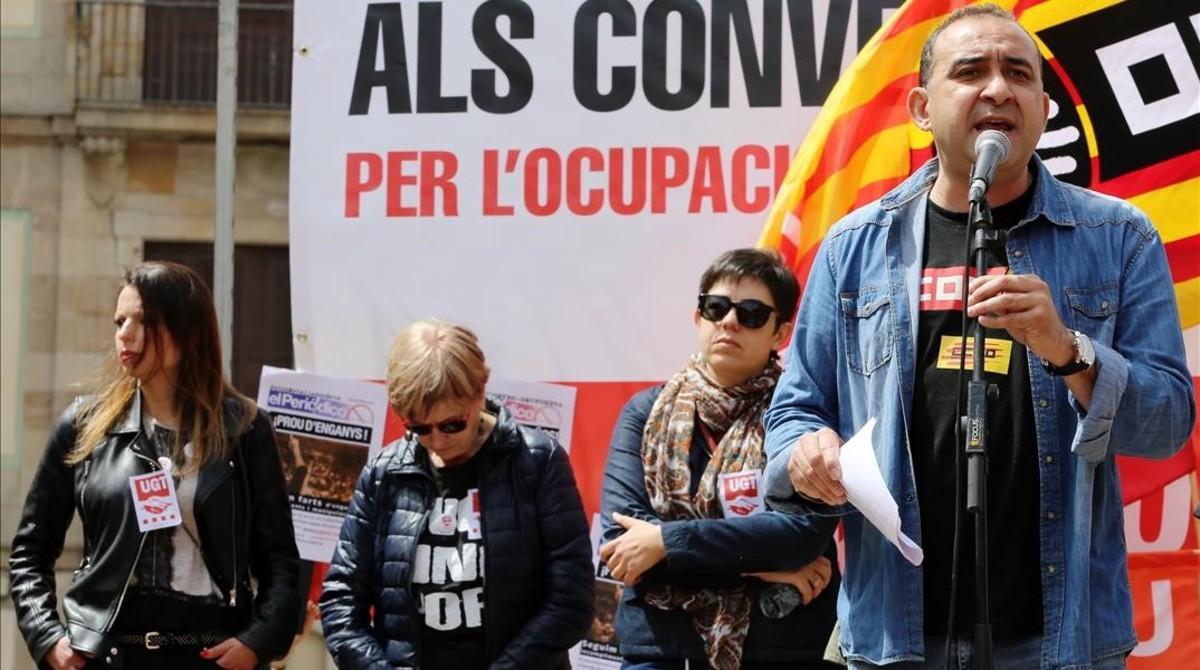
(987,237)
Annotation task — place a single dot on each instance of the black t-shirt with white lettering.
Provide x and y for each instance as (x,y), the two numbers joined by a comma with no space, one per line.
(448,573)
(1013,529)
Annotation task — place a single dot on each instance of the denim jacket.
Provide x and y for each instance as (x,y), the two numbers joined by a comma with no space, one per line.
(852,358)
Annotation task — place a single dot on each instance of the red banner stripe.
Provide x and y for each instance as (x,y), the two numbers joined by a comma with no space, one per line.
(1183,255)
(919,12)
(854,128)
(1022,5)
(919,156)
(597,407)
(868,193)
(1072,92)
(787,249)
(1151,178)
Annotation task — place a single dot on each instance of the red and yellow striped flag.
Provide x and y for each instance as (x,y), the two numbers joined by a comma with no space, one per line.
(1100,55)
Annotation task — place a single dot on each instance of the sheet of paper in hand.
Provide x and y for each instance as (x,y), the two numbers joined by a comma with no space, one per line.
(867,491)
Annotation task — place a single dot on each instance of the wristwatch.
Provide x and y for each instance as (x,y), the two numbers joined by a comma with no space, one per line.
(1085,356)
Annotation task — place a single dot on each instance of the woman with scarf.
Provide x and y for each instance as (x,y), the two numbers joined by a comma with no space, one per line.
(712,578)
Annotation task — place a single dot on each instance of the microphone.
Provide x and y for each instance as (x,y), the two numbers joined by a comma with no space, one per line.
(776,601)
(991,148)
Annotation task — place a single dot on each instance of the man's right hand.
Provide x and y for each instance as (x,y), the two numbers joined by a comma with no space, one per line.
(814,468)
(62,657)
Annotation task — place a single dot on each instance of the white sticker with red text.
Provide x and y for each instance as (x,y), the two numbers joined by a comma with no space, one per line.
(740,493)
(474,525)
(154,501)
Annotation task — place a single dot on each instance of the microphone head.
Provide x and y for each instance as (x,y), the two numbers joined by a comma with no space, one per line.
(999,142)
(991,148)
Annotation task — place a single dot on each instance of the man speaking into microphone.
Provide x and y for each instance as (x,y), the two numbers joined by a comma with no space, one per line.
(1082,347)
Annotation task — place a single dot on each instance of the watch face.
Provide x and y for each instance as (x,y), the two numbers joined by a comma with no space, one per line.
(1084,351)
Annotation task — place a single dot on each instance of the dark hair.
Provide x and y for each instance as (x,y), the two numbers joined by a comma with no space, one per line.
(760,265)
(174,298)
(970,11)
(175,301)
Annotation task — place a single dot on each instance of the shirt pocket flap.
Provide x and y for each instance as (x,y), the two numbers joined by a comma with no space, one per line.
(867,327)
(865,302)
(1094,303)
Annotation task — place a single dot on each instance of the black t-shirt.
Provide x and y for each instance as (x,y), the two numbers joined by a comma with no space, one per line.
(1013,529)
(448,573)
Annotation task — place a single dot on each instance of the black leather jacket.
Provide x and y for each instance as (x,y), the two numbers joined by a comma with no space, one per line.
(242,513)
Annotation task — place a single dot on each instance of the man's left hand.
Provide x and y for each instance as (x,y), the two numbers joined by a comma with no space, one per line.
(1021,304)
(640,548)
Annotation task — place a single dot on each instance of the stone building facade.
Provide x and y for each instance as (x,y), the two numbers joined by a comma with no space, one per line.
(93,174)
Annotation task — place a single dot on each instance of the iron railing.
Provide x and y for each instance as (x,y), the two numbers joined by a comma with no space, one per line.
(164,52)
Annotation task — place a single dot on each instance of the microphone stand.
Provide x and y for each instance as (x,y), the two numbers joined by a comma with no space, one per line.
(987,239)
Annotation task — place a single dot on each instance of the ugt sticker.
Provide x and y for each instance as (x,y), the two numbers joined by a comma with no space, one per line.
(740,493)
(474,526)
(154,501)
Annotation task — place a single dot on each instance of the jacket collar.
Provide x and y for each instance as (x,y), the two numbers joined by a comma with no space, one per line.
(1050,199)
(505,436)
(131,421)
(411,456)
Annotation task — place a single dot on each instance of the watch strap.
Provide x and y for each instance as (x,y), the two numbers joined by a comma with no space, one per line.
(1078,365)
(1068,369)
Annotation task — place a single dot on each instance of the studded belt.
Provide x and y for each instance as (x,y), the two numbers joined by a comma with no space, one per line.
(155,640)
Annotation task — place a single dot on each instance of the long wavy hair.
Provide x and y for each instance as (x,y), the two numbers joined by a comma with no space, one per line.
(175,301)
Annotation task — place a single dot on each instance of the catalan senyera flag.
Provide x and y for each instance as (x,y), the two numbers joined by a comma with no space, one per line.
(1125,120)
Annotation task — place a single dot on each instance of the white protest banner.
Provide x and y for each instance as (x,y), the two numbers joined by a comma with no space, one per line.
(554,175)
(547,407)
(599,649)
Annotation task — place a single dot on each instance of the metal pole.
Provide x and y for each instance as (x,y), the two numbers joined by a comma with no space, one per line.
(226,168)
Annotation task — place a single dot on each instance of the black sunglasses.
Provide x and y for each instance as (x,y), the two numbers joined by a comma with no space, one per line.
(447,427)
(750,313)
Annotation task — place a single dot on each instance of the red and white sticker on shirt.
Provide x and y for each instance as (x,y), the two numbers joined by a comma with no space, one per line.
(154,501)
(741,494)
(474,525)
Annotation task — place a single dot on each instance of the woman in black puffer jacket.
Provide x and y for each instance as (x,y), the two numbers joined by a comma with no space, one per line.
(467,537)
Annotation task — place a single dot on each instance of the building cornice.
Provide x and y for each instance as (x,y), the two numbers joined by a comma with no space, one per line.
(144,122)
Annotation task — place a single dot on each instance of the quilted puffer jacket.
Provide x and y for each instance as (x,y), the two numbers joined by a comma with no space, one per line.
(538,574)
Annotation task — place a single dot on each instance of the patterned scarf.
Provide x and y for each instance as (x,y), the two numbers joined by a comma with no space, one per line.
(720,616)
